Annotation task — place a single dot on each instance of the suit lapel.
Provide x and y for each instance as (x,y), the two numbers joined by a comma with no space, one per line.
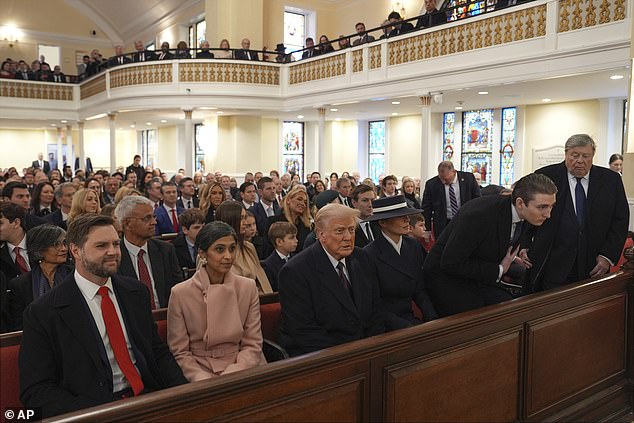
(126,268)
(504,226)
(5,257)
(443,199)
(158,272)
(594,188)
(463,189)
(330,278)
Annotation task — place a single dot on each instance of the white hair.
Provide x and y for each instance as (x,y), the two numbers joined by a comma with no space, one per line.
(334,211)
(128,204)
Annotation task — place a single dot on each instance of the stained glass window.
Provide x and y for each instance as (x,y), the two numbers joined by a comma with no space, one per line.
(149,147)
(477,145)
(507,151)
(294,32)
(201,32)
(448,129)
(376,150)
(199,149)
(460,9)
(293,148)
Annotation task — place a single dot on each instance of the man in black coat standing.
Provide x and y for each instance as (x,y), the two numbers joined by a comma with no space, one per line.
(588,228)
(40,163)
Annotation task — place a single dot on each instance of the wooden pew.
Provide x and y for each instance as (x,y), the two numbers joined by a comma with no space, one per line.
(563,355)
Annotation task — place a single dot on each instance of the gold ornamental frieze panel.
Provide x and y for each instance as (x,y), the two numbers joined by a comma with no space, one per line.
(41,91)
(315,70)
(375,57)
(156,73)
(577,14)
(236,73)
(93,87)
(357,61)
(516,26)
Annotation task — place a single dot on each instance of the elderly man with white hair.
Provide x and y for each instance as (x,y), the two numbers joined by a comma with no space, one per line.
(151,261)
(329,295)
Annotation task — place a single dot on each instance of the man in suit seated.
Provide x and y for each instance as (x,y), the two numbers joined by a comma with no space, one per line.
(445,194)
(248,194)
(467,267)
(398,26)
(13,250)
(165,53)
(191,222)
(232,193)
(92,340)
(118,58)
(64,193)
(343,187)
(364,37)
(188,190)
(328,293)
(40,163)
(430,15)
(24,73)
(310,51)
(204,52)
(167,214)
(58,76)
(283,237)
(362,197)
(151,261)
(110,188)
(142,54)
(267,206)
(18,193)
(245,53)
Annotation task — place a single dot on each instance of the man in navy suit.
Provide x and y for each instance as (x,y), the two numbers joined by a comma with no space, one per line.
(329,295)
(187,199)
(587,231)
(267,206)
(93,340)
(167,213)
(362,198)
(445,194)
(64,193)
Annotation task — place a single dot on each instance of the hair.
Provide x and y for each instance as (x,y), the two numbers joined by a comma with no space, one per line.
(89,180)
(580,140)
(279,230)
(388,178)
(205,195)
(263,180)
(230,212)
(359,23)
(35,198)
(11,211)
(78,229)
(127,205)
(332,211)
(78,208)
(394,15)
(315,173)
(211,233)
(274,172)
(136,156)
(41,238)
(108,210)
(341,181)
(181,183)
(415,218)
(245,185)
(614,157)
(360,189)
(124,192)
(59,190)
(532,184)
(224,40)
(191,217)
(167,184)
(7,191)
(446,164)
(305,217)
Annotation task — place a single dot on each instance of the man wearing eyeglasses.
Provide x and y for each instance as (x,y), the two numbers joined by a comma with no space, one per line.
(151,261)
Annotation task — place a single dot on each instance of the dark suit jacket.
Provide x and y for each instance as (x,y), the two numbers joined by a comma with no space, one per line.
(167,56)
(46,168)
(181,204)
(272,266)
(182,252)
(462,268)
(405,27)
(605,229)
(164,223)
(114,61)
(431,19)
(261,219)
(149,56)
(434,203)
(7,265)
(361,239)
(31,221)
(63,363)
(401,280)
(30,76)
(165,270)
(317,311)
(362,40)
(204,54)
(308,53)
(242,55)
(55,218)
(5,317)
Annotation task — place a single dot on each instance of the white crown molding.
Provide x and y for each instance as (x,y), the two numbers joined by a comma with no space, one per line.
(100,20)
(71,39)
(133,27)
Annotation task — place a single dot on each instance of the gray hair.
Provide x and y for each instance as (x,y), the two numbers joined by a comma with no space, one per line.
(212,232)
(59,190)
(445,165)
(334,211)
(127,205)
(580,140)
(41,238)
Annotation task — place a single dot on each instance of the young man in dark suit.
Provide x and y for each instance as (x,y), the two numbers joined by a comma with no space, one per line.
(93,339)
(588,228)
(432,16)
(283,237)
(329,295)
(191,222)
(13,235)
(362,197)
(467,266)
(167,214)
(445,194)
(18,194)
(64,193)
(267,206)
(399,27)
(187,189)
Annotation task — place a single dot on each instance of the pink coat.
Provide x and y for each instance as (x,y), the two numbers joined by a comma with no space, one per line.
(214,329)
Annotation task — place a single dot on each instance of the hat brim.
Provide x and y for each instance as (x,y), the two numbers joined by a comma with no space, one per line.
(405,211)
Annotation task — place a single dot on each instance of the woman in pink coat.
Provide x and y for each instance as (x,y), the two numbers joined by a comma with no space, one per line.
(213,319)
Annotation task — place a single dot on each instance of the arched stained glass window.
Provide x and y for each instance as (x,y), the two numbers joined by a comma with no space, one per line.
(507,146)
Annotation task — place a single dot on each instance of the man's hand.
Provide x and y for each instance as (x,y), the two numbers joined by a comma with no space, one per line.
(511,254)
(602,267)
(522,258)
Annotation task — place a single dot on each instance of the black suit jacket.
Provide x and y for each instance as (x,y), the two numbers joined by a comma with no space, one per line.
(30,76)
(46,168)
(462,268)
(401,280)
(63,363)
(204,54)
(56,218)
(242,55)
(195,203)
(272,266)
(165,269)
(317,311)
(7,265)
(434,203)
(261,219)
(431,19)
(114,61)
(5,318)
(149,56)
(182,252)
(361,238)
(605,229)
(403,28)
(166,56)
(310,53)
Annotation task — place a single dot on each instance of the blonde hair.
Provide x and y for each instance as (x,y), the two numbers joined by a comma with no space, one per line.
(124,192)
(205,195)
(78,207)
(305,216)
(334,211)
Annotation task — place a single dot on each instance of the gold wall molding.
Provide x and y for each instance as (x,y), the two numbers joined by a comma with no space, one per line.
(578,14)
(93,87)
(357,61)
(375,57)
(41,91)
(328,67)
(157,73)
(239,73)
(515,26)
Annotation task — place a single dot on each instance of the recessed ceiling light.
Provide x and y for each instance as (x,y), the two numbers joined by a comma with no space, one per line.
(52,124)
(163,121)
(148,123)
(100,115)
(334,110)
(396,102)
(300,116)
(208,108)
(220,112)
(546,100)
(483,92)
(458,107)
(394,114)
(616,76)
(64,121)
(338,119)
(132,126)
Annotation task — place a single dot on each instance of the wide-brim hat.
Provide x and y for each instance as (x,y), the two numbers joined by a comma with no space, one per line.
(388,207)
(325,197)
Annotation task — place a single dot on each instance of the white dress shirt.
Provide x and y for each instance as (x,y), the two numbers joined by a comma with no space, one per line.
(397,245)
(133,250)
(456,188)
(572,182)
(23,252)
(169,209)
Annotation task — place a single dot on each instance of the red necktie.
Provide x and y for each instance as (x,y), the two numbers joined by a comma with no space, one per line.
(144,277)
(174,221)
(19,261)
(117,342)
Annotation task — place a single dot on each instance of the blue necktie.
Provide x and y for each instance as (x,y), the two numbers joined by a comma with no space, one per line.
(580,200)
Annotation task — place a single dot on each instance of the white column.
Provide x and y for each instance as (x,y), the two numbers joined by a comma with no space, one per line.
(82,154)
(60,157)
(189,143)
(113,141)
(69,145)
(321,138)
(426,142)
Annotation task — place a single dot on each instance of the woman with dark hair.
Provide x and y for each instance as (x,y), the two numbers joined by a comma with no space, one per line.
(324,45)
(319,187)
(148,177)
(42,202)
(213,319)
(47,248)
(616,163)
(182,52)
(211,196)
(5,70)
(246,261)
(333,180)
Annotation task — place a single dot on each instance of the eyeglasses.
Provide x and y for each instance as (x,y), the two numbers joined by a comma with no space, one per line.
(60,243)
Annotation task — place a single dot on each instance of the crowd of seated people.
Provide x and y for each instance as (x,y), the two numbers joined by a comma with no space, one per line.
(349,259)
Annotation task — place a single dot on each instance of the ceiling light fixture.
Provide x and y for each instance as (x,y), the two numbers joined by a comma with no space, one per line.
(163,121)
(300,116)
(394,114)
(148,123)
(483,92)
(220,112)
(334,110)
(99,116)
(546,100)
(64,121)
(52,124)
(396,103)
(132,126)
(616,77)
(458,107)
